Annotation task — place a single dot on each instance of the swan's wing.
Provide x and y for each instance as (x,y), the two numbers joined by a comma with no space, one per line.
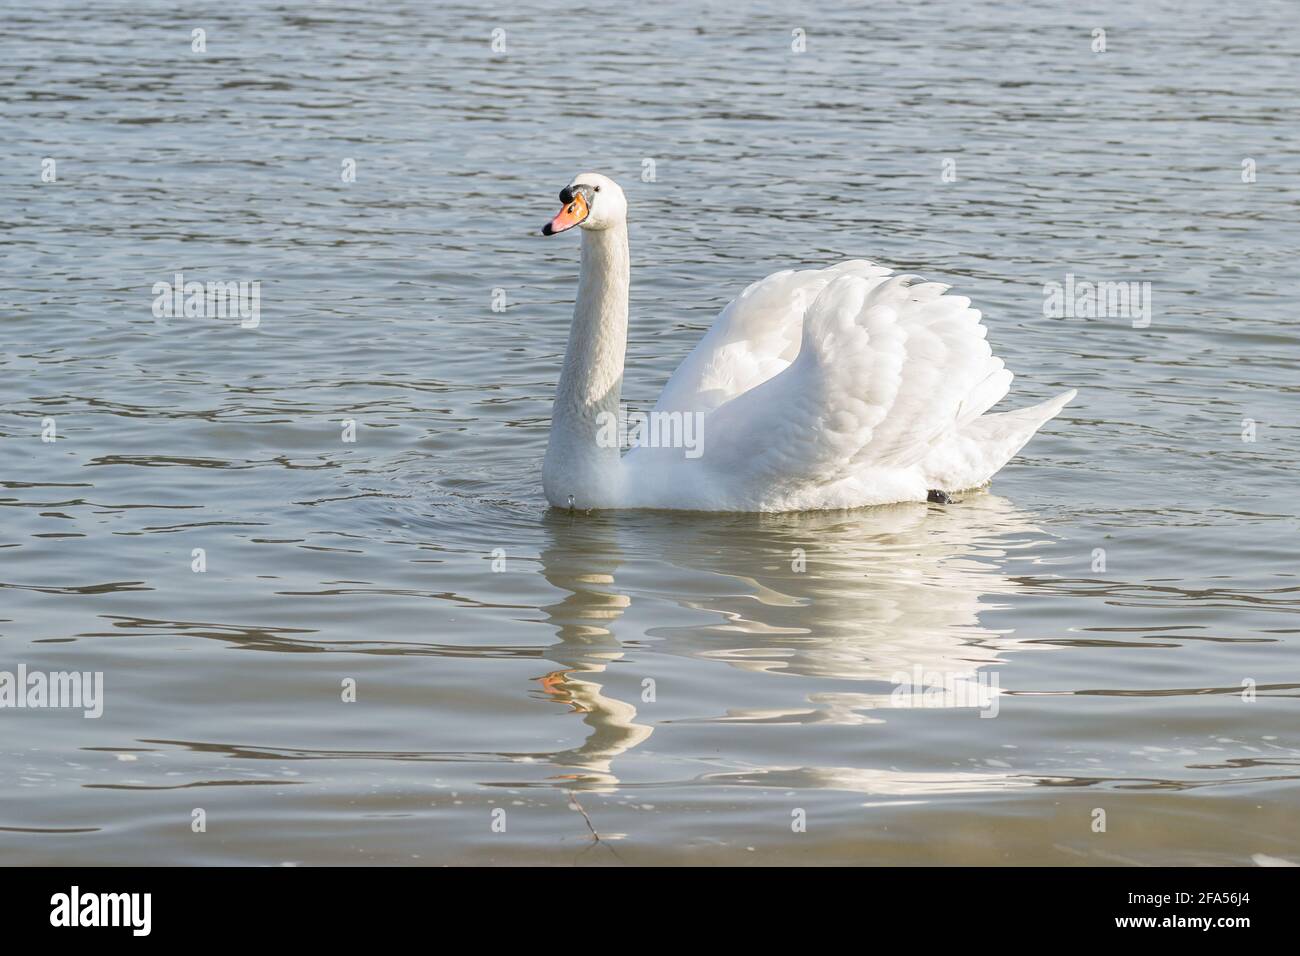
(885,371)
(755,337)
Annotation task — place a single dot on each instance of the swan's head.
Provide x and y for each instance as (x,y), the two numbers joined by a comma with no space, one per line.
(591,201)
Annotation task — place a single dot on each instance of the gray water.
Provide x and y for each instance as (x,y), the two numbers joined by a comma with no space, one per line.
(542,687)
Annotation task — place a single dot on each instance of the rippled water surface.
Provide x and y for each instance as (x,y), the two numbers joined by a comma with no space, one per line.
(640,687)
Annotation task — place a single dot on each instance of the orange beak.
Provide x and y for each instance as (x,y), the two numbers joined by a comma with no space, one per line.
(568,217)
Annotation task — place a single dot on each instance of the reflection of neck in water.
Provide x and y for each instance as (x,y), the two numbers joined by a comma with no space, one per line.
(582,560)
(862,596)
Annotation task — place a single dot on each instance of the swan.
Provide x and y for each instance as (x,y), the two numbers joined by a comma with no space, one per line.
(814,390)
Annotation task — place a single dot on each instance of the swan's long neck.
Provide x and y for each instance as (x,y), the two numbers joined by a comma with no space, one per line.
(581,460)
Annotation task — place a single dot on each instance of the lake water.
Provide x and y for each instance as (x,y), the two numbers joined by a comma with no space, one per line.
(690,688)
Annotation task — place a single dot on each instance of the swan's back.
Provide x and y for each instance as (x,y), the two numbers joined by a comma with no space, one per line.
(834,388)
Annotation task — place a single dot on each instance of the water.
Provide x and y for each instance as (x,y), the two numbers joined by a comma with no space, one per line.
(524,690)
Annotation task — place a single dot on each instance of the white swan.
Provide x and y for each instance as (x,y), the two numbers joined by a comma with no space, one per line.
(814,390)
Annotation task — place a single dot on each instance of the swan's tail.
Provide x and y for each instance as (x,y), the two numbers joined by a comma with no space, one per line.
(977,451)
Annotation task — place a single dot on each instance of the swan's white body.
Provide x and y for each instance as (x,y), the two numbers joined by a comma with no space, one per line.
(815,389)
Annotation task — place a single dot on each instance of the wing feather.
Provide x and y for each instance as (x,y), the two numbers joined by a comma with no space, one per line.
(756,336)
(886,369)
(846,384)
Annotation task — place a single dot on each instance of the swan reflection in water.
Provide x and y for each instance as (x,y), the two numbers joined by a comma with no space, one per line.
(877,597)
